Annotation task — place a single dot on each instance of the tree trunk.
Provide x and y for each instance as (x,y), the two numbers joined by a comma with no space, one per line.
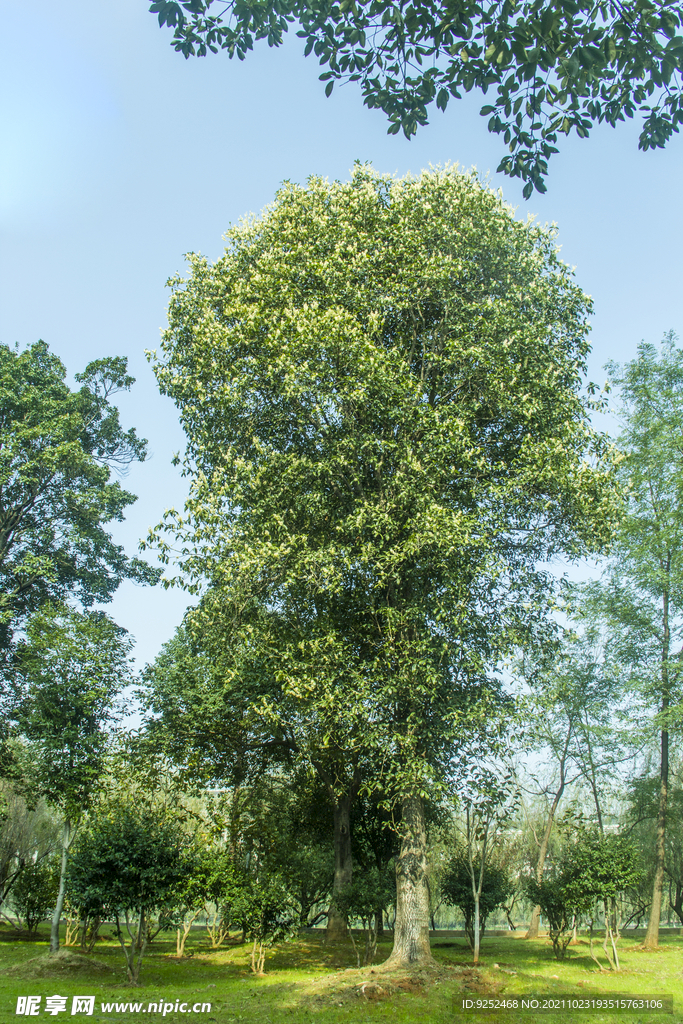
(343,864)
(532,931)
(676,903)
(57,915)
(411,931)
(138,945)
(651,939)
(477,936)
(593,777)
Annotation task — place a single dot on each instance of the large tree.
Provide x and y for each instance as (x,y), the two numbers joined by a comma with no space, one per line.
(552,68)
(640,599)
(379,382)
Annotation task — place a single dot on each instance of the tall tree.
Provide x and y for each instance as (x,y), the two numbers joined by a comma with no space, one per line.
(71,669)
(571,713)
(552,68)
(379,382)
(641,598)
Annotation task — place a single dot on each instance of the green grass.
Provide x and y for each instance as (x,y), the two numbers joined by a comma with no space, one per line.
(307,982)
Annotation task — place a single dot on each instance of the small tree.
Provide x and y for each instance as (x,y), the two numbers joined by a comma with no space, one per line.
(72,668)
(28,830)
(267,911)
(561,900)
(365,900)
(606,866)
(204,887)
(217,901)
(34,893)
(496,886)
(128,864)
(571,723)
(593,868)
(489,798)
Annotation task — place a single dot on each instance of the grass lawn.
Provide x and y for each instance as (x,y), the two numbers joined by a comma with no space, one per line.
(307,982)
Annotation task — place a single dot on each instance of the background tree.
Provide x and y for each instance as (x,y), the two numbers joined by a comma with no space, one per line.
(488,798)
(220,704)
(640,600)
(379,421)
(552,69)
(58,450)
(365,899)
(640,822)
(571,713)
(492,887)
(439,843)
(71,669)
(35,891)
(267,911)
(29,830)
(375,845)
(192,891)
(674,851)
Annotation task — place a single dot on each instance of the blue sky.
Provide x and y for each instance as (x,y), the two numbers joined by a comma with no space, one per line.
(118,156)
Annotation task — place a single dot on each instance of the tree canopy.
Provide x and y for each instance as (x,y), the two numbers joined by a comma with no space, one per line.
(57,450)
(547,68)
(70,671)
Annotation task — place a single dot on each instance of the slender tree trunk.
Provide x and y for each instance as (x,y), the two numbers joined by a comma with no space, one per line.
(57,915)
(593,778)
(343,864)
(477,884)
(411,931)
(477,927)
(532,931)
(651,940)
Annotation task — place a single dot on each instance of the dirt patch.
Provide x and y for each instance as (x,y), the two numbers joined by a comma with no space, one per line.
(473,984)
(376,984)
(55,965)
(372,991)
